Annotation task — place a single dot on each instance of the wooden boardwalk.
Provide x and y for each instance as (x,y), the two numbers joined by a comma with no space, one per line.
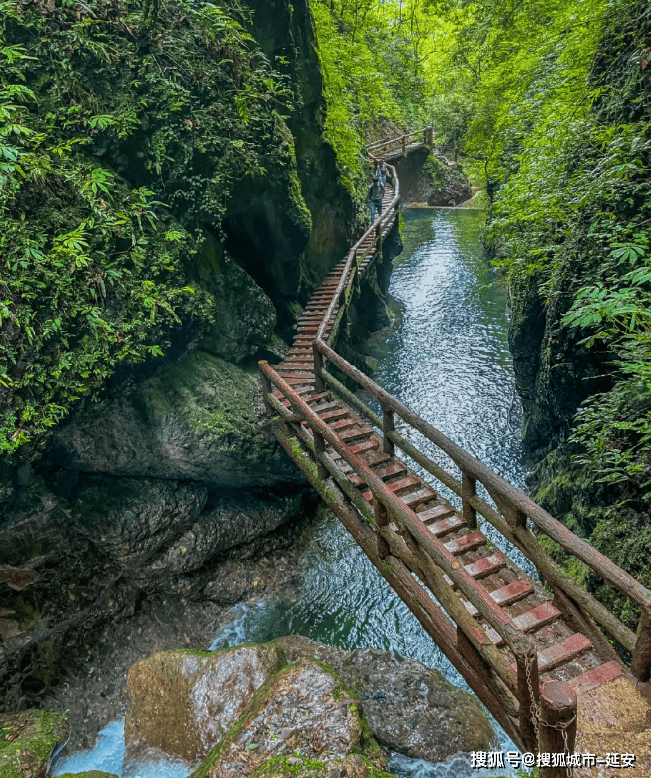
(523,647)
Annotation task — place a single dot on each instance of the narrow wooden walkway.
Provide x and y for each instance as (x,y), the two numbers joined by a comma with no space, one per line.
(510,634)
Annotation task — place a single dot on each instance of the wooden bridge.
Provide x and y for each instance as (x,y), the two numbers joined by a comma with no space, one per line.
(526,649)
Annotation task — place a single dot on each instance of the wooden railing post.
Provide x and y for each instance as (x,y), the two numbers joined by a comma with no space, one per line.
(267,388)
(528,697)
(388,425)
(382,520)
(641,660)
(378,236)
(319,448)
(404,143)
(469,490)
(319,383)
(430,137)
(557,726)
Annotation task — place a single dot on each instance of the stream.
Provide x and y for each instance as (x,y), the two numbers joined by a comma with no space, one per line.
(447,358)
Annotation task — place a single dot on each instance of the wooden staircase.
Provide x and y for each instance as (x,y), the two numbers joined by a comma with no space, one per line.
(510,634)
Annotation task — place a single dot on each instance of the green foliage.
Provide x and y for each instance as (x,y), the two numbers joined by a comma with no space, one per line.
(568,163)
(122,130)
(372,55)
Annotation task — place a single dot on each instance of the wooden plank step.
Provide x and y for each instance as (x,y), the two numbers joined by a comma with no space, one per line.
(395,468)
(516,590)
(422,495)
(397,486)
(445,526)
(436,513)
(358,448)
(466,543)
(486,566)
(598,676)
(326,406)
(314,395)
(531,621)
(341,424)
(335,413)
(291,371)
(560,653)
(376,458)
(358,432)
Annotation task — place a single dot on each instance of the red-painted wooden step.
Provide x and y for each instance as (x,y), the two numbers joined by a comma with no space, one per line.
(445,526)
(516,590)
(598,676)
(465,543)
(422,495)
(436,513)
(486,566)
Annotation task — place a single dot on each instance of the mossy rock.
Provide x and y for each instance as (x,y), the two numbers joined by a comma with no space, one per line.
(353,766)
(27,742)
(198,421)
(183,702)
(91,774)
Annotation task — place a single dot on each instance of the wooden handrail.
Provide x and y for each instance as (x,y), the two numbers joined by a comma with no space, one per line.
(512,497)
(380,144)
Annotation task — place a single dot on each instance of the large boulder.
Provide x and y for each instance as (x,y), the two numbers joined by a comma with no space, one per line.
(182,703)
(129,520)
(307,713)
(410,708)
(198,420)
(27,742)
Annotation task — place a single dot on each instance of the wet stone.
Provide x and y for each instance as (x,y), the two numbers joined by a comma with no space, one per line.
(183,702)
(308,715)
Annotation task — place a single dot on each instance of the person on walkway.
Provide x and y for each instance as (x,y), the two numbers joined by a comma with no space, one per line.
(374,197)
(384,173)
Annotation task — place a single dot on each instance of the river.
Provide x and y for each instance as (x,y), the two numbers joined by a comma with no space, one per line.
(447,358)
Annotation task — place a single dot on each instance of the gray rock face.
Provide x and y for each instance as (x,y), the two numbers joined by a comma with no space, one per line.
(130,520)
(232,522)
(182,702)
(409,708)
(197,421)
(306,712)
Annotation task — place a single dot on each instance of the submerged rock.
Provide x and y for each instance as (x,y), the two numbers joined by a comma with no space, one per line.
(91,774)
(27,742)
(409,708)
(183,702)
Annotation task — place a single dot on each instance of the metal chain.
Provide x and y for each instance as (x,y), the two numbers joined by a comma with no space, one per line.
(534,707)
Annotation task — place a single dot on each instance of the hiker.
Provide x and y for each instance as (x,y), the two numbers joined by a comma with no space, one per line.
(384,173)
(374,196)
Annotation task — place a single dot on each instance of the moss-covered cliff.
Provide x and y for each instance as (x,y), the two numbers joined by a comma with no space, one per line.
(572,224)
(167,202)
